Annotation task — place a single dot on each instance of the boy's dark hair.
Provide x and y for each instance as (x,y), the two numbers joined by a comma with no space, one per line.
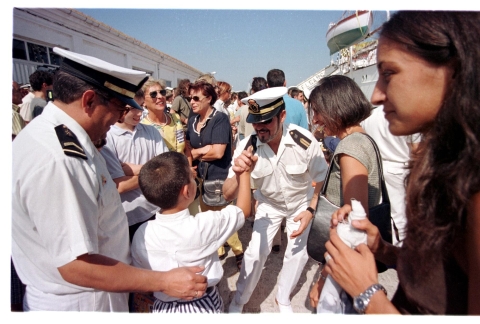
(162,178)
(38,78)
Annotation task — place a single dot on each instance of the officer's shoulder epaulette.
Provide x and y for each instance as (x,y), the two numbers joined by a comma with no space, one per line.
(69,142)
(300,139)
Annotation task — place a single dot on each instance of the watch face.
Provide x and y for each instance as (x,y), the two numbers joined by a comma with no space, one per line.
(359,304)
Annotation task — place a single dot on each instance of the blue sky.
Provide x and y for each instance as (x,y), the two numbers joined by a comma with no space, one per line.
(236,44)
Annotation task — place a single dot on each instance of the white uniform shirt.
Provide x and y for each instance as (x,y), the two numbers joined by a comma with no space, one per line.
(284,180)
(137,147)
(62,206)
(392,148)
(179,240)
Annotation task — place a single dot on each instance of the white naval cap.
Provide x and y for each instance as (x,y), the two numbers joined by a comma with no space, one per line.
(265,104)
(121,82)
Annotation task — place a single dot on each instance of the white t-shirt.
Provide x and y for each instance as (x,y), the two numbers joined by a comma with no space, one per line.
(180,239)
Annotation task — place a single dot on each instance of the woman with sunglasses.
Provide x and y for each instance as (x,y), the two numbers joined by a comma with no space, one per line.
(209,146)
(428,83)
(168,124)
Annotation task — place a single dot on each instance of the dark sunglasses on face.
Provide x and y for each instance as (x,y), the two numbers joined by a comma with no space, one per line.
(196,98)
(154,94)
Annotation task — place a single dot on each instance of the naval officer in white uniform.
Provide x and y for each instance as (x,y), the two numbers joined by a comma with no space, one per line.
(69,231)
(289,159)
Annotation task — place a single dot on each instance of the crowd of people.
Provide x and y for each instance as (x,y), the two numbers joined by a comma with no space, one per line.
(122,187)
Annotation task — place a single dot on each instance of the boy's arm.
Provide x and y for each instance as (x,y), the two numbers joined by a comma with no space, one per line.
(245,161)
(244,195)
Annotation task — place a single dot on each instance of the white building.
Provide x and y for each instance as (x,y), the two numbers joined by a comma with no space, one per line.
(36,31)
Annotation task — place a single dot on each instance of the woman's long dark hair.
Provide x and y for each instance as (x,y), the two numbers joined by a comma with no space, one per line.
(445,172)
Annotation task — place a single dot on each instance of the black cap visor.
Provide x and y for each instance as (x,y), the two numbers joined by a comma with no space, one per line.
(259,118)
(126,100)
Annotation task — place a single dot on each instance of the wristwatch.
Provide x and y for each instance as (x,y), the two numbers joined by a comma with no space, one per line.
(310,209)
(361,302)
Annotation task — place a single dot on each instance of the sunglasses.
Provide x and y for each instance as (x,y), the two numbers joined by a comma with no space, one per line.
(195,98)
(154,94)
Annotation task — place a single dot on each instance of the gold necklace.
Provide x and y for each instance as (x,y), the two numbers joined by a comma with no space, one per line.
(176,128)
(159,124)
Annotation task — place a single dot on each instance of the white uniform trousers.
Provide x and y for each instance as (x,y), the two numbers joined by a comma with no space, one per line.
(267,223)
(394,173)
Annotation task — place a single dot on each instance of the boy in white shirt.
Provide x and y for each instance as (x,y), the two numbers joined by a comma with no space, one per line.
(176,238)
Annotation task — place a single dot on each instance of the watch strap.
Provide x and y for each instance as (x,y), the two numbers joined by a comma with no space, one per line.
(366,295)
(310,209)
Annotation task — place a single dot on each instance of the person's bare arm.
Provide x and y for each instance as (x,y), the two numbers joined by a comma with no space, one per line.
(126,183)
(104,273)
(305,216)
(354,177)
(209,152)
(244,200)
(131,169)
(230,188)
(245,161)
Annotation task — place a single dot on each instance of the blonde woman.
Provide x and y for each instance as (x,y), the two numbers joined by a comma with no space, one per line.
(168,124)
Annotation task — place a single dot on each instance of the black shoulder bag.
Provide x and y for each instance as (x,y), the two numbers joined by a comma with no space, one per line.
(379,215)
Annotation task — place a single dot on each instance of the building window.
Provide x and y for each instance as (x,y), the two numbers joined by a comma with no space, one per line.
(35,53)
(19,51)
(54,58)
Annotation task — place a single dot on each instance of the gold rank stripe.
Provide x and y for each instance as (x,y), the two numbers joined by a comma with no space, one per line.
(304,142)
(73,144)
(266,110)
(117,89)
(75,152)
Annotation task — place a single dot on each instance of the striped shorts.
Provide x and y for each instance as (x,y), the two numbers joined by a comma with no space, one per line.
(209,303)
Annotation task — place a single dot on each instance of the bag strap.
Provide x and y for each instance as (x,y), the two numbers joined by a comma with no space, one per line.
(327,177)
(383,187)
(181,112)
(385,197)
(205,169)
